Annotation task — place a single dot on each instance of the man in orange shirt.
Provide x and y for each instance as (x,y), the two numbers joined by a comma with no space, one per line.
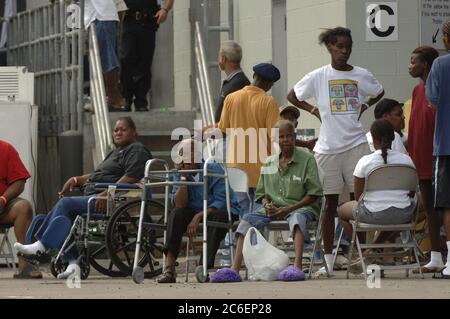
(247,119)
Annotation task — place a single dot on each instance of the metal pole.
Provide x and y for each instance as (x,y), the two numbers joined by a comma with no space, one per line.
(203,89)
(103,115)
(64,52)
(204,69)
(231,19)
(200,100)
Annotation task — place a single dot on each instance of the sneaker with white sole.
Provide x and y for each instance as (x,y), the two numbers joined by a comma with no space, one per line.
(322,273)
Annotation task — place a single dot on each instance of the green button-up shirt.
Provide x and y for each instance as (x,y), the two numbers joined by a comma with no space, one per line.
(289,186)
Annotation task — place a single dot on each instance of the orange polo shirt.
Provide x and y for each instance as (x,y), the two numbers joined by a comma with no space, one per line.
(252,114)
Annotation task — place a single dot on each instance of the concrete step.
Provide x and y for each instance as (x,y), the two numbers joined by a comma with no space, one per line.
(157,120)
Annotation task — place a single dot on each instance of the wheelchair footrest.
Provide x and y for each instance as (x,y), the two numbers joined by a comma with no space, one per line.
(35,259)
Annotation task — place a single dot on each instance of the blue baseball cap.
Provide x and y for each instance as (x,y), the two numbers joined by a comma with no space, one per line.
(267,71)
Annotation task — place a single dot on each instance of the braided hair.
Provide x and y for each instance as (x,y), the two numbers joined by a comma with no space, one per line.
(383,133)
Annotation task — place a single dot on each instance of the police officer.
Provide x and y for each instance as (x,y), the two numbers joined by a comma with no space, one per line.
(140,23)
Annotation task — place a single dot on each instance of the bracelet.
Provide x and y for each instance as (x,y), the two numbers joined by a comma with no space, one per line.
(313,110)
(5,200)
(75,180)
(167,11)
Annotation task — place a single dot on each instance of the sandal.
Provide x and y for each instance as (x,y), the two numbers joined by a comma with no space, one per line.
(168,277)
(28,272)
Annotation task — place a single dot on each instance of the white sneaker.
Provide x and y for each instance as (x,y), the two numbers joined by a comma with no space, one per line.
(322,273)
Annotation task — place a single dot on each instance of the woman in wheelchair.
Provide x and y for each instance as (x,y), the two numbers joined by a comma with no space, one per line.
(379,207)
(125,164)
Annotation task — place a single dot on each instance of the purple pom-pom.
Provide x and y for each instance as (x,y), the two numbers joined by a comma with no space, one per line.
(291,273)
(225,275)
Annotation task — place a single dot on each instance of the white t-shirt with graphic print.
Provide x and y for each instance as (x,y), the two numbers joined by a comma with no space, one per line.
(338,95)
(376,201)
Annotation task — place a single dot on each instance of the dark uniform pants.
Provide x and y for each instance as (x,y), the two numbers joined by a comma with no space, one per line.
(137,50)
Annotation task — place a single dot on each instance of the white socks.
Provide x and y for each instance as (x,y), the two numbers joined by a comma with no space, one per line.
(436,261)
(69,270)
(329,261)
(32,249)
(446,271)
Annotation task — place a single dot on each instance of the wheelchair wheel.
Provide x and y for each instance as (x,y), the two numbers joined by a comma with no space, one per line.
(121,236)
(100,261)
(57,267)
(84,267)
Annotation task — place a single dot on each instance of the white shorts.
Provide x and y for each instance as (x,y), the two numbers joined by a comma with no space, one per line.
(338,168)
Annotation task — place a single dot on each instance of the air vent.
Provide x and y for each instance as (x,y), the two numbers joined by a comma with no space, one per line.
(16,84)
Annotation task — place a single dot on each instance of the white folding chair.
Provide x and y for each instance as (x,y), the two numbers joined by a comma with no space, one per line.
(382,178)
(6,254)
(238,180)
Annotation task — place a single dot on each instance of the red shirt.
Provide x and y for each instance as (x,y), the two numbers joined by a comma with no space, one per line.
(11,167)
(421,133)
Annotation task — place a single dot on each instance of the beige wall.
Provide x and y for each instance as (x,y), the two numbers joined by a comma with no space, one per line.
(388,61)
(253,30)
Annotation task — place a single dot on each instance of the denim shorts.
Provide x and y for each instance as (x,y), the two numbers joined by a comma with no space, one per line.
(298,218)
(389,216)
(107,44)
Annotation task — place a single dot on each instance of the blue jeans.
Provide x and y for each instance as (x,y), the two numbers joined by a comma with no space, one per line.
(56,226)
(299,217)
(244,202)
(107,44)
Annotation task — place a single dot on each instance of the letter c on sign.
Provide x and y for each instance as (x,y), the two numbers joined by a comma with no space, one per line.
(372,17)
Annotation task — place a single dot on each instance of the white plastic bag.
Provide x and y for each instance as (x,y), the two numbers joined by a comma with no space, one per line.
(263,261)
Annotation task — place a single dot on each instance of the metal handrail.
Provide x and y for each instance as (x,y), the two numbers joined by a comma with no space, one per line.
(98,95)
(202,80)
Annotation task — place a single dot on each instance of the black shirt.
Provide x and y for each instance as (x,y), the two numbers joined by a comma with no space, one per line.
(237,82)
(129,162)
(138,5)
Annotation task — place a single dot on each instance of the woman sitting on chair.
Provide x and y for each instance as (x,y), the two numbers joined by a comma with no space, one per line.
(378,207)
(125,164)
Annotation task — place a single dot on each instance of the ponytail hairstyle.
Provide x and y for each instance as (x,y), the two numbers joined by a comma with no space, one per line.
(383,134)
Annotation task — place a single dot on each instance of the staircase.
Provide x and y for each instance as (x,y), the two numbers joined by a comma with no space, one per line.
(155,129)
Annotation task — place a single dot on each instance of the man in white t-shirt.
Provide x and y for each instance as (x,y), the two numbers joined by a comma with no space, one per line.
(339,90)
(103,13)
(392,111)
